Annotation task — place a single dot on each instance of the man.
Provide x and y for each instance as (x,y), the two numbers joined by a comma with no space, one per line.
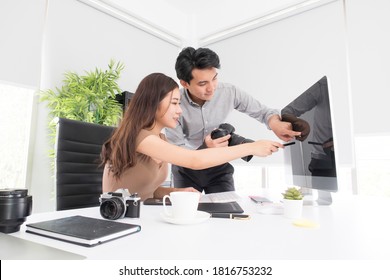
(206,104)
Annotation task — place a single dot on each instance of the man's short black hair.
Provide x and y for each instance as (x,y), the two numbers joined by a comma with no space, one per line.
(189,59)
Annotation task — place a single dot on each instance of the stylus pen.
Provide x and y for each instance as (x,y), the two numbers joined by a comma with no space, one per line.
(288,144)
(230,216)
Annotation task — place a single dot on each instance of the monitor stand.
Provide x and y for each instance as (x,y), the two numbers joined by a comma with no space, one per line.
(323,198)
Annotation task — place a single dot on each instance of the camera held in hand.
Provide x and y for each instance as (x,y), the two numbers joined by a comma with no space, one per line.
(15,206)
(235,139)
(119,204)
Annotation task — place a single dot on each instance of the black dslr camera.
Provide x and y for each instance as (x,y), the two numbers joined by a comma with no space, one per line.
(119,204)
(235,139)
(15,206)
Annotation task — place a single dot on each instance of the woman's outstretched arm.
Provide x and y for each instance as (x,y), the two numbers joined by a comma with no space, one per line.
(159,149)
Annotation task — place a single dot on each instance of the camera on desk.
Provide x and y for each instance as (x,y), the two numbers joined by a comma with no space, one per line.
(235,139)
(119,204)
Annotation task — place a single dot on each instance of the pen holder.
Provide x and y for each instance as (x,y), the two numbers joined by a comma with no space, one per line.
(292,208)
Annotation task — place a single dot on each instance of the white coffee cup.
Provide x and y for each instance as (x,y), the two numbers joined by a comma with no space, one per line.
(184,205)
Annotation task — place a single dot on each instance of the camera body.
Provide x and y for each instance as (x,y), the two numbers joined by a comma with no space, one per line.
(235,139)
(15,206)
(119,204)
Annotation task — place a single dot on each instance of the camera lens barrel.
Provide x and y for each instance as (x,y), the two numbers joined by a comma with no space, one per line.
(228,127)
(15,206)
(222,130)
(112,208)
(218,133)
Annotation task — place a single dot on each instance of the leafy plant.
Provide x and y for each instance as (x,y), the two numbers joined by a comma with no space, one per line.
(89,98)
(292,194)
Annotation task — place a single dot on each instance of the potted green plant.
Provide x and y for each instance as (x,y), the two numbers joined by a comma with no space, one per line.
(89,97)
(292,193)
(293,203)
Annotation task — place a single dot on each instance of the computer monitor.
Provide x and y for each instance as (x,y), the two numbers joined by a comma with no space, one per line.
(310,162)
(124,98)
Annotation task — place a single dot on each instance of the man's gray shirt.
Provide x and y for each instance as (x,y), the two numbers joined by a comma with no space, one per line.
(196,122)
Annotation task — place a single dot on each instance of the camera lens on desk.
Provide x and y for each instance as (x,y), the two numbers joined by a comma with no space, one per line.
(15,206)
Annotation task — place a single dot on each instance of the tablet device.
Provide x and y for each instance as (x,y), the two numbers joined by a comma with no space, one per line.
(210,207)
(259,199)
(220,207)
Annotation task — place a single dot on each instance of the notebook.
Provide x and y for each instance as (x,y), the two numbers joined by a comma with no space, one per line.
(82,230)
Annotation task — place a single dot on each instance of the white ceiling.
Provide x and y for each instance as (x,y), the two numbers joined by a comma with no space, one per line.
(241,7)
(191,20)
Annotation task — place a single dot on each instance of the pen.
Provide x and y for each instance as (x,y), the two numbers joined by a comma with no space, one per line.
(288,144)
(230,216)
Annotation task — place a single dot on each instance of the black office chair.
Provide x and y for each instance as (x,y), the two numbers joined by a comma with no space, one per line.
(78,170)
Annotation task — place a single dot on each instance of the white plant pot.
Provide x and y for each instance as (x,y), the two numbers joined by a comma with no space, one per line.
(292,208)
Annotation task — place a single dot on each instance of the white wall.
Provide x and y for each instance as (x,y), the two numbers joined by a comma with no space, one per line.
(79,38)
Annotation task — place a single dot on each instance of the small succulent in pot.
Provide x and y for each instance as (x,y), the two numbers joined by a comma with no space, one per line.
(292,194)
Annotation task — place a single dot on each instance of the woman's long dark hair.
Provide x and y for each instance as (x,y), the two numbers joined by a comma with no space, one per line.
(120,150)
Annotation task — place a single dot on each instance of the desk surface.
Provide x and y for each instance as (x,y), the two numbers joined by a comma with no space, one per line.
(353,228)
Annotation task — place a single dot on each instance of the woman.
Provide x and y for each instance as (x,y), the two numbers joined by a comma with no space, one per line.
(136,157)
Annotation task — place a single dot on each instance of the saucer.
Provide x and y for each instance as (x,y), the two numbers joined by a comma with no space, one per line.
(201,216)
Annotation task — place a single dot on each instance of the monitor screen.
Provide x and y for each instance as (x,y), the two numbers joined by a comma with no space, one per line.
(311,160)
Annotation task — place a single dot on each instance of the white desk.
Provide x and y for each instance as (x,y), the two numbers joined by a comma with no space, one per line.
(354,228)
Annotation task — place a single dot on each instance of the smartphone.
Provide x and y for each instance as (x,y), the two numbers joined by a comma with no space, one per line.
(259,199)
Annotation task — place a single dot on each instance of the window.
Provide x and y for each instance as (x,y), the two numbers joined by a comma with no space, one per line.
(16,103)
(373,164)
